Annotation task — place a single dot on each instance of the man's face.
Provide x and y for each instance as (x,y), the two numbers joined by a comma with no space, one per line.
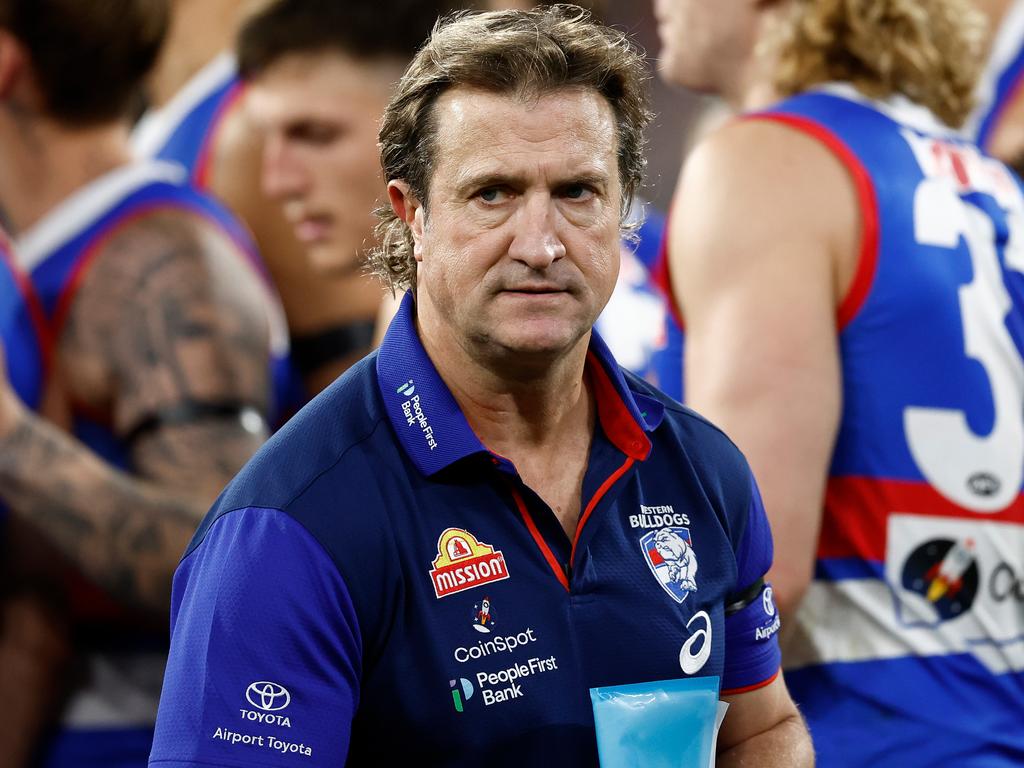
(518,247)
(704,43)
(320,114)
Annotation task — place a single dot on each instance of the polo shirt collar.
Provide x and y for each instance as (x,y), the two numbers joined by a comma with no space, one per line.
(432,428)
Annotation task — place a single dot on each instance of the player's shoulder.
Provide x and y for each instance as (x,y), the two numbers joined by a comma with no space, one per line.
(324,457)
(753,147)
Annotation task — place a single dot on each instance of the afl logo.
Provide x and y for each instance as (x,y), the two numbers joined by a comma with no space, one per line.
(268,696)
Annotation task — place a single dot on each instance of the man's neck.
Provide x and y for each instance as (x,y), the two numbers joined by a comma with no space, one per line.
(45,162)
(540,417)
(516,405)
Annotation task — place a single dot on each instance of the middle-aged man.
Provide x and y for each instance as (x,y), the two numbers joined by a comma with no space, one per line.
(490,450)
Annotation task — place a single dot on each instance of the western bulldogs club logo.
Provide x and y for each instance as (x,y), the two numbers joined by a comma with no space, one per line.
(670,556)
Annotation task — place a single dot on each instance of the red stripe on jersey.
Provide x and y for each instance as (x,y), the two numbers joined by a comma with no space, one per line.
(754,687)
(867,260)
(607,484)
(1014,92)
(201,174)
(662,274)
(35,307)
(857,513)
(618,423)
(542,545)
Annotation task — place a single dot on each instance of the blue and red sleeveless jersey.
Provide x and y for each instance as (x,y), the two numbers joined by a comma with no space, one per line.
(184,131)
(908,649)
(23,333)
(22,330)
(1001,80)
(59,249)
(376,587)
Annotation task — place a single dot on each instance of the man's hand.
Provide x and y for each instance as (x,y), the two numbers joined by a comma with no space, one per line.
(10,405)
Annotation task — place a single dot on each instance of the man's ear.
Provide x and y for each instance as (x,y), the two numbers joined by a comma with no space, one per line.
(13,64)
(409,209)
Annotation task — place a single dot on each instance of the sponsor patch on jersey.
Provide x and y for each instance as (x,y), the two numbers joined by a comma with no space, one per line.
(483,616)
(463,563)
(670,556)
(945,573)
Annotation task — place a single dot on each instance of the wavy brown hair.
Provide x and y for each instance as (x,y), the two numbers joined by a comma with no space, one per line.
(931,51)
(520,53)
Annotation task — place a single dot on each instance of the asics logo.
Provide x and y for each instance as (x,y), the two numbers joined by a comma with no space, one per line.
(692,661)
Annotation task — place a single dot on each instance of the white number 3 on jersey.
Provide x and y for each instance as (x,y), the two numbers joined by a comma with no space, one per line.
(982,473)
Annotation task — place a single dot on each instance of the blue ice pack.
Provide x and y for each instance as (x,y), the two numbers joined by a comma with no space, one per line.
(663,724)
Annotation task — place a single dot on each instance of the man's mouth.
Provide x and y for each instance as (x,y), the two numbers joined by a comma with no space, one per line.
(312,229)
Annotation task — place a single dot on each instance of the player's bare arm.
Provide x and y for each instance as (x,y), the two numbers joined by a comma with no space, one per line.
(166,339)
(763,230)
(763,729)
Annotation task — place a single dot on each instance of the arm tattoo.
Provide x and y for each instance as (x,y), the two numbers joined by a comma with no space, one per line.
(167,314)
(124,534)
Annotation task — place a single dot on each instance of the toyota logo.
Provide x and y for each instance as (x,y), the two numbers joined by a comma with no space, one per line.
(268,696)
(767,601)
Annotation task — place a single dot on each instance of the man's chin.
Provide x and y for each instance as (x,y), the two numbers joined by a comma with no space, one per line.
(331,261)
(540,345)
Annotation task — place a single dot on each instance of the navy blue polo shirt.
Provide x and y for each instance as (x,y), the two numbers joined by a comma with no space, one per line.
(376,584)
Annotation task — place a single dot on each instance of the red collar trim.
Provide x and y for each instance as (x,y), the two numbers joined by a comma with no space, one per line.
(616,420)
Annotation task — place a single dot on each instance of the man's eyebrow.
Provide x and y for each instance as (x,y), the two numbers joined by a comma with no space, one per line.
(471,182)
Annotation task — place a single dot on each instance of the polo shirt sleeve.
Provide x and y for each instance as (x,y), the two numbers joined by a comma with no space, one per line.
(751,626)
(265,651)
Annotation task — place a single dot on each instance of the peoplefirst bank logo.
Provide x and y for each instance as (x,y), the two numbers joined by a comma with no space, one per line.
(463,562)
(412,410)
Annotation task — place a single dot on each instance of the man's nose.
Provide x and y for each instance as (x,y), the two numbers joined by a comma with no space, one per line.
(283,174)
(536,241)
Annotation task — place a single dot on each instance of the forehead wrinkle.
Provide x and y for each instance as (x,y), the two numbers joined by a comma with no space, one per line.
(467,128)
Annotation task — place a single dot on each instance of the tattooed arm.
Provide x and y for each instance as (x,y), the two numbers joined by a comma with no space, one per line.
(166,337)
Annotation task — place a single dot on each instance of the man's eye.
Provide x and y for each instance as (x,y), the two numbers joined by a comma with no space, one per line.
(576,191)
(314,133)
(490,194)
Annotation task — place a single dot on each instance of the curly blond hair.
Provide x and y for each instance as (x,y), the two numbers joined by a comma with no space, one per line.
(931,51)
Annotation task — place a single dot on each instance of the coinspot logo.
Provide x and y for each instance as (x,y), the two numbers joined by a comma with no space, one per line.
(268,696)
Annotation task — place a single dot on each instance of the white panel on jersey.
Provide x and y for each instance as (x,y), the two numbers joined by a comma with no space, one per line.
(868,619)
(156,126)
(81,209)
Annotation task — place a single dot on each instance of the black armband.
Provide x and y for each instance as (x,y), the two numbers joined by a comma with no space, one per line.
(190,411)
(314,350)
(737,601)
